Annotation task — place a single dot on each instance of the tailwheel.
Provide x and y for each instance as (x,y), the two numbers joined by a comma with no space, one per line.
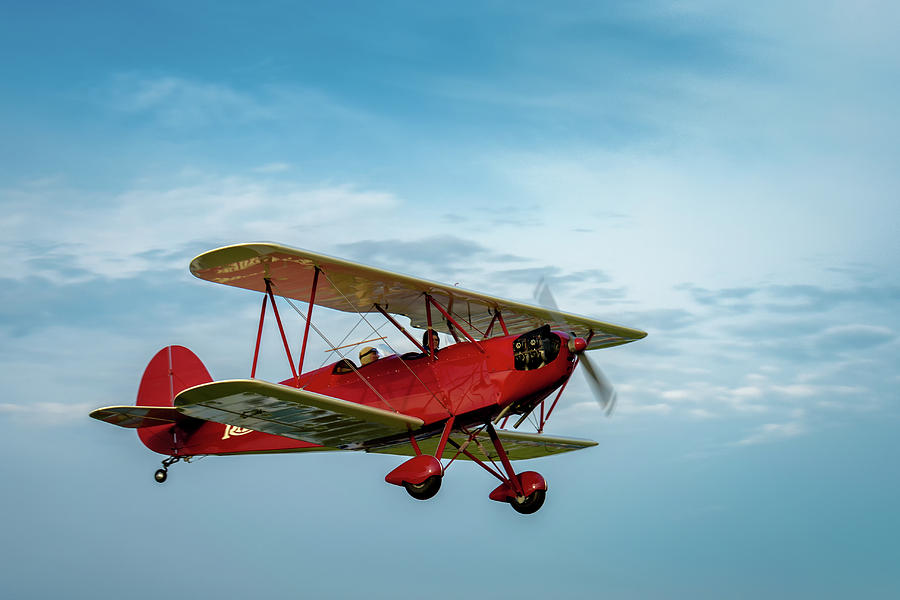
(425,490)
(162,474)
(529,504)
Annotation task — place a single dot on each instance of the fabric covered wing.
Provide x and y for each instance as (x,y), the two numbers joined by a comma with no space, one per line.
(518,446)
(350,287)
(292,413)
(135,417)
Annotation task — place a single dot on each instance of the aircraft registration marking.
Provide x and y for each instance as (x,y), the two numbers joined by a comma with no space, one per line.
(232,430)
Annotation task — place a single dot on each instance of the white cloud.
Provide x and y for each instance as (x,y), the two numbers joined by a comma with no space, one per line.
(178,102)
(748,392)
(808,391)
(701,413)
(155,226)
(771,432)
(181,103)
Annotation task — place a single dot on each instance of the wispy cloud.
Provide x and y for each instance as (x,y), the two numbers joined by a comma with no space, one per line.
(186,103)
(178,102)
(772,432)
(152,225)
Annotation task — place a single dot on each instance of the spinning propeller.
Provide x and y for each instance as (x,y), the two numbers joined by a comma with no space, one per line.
(600,385)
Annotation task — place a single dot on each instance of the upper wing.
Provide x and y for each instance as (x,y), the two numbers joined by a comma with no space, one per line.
(351,287)
(293,413)
(518,446)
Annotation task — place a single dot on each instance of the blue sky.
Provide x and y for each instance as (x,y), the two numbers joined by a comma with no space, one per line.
(722,177)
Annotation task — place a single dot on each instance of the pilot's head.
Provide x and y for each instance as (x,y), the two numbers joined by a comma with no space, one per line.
(368,355)
(426,340)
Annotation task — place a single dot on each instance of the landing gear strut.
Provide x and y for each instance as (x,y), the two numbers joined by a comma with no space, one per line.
(525,492)
(162,474)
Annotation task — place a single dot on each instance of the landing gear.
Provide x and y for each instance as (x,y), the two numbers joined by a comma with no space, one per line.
(420,475)
(525,492)
(530,504)
(162,474)
(425,490)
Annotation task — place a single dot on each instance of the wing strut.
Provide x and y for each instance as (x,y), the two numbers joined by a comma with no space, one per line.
(287,348)
(400,327)
(312,302)
(262,318)
(451,320)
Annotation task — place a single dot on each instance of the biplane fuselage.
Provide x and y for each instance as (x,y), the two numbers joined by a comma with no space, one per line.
(462,381)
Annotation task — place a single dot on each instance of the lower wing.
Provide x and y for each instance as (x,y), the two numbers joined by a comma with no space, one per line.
(292,413)
(518,446)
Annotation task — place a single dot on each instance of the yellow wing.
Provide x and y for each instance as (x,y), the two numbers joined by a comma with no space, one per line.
(289,412)
(518,445)
(134,417)
(348,286)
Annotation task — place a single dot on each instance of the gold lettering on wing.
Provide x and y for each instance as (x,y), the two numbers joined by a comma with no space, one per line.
(231,430)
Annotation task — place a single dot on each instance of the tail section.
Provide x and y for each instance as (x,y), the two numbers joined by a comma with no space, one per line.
(172,370)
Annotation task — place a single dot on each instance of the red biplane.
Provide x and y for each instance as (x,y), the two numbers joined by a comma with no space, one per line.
(434,405)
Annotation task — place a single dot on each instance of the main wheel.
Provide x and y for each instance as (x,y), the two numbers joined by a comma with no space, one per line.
(425,490)
(160,475)
(529,504)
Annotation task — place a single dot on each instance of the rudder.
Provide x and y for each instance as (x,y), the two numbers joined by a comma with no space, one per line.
(172,370)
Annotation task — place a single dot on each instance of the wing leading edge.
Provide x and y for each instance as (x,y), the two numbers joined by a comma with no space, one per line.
(350,287)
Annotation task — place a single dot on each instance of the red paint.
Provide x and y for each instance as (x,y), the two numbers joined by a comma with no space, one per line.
(448,427)
(171,370)
(312,303)
(502,323)
(464,380)
(287,348)
(527,481)
(415,471)
(262,318)
(512,481)
(578,345)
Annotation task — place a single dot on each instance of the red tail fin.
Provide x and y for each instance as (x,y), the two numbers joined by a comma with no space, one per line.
(173,369)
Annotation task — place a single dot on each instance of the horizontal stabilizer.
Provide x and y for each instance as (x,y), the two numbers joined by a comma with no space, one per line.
(290,412)
(135,417)
(518,445)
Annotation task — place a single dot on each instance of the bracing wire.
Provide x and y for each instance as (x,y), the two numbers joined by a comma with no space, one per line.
(346,337)
(363,317)
(341,354)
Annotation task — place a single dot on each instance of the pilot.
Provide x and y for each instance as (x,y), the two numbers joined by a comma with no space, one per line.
(426,340)
(368,355)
